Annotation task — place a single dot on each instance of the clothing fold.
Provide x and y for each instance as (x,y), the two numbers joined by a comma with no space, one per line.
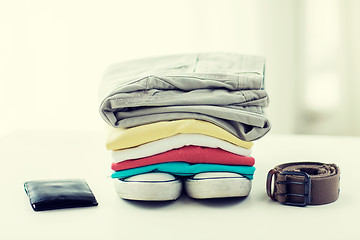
(176,142)
(226,88)
(186,169)
(188,154)
(119,138)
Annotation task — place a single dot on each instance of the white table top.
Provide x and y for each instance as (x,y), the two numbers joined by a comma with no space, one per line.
(34,155)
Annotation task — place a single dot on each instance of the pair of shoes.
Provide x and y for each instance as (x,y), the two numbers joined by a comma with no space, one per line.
(166,187)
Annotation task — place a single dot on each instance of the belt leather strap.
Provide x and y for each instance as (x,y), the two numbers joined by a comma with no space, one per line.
(303,183)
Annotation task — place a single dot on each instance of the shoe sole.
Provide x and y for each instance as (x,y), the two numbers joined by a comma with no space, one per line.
(148,190)
(217,187)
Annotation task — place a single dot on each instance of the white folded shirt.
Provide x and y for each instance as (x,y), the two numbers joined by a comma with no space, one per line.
(174,142)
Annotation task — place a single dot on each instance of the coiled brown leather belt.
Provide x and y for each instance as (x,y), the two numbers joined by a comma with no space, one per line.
(304,183)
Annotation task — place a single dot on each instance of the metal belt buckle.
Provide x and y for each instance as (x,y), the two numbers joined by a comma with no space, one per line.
(307,188)
(269,184)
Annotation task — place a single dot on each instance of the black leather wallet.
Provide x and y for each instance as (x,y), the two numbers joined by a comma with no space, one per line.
(57,194)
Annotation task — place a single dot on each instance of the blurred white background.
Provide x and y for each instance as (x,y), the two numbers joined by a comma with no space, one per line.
(53,54)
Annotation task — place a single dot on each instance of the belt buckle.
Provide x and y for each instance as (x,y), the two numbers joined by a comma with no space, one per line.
(269,184)
(307,188)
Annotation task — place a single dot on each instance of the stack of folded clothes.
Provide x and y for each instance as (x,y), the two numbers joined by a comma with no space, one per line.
(184,120)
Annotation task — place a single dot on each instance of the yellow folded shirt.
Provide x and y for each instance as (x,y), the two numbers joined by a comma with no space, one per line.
(121,138)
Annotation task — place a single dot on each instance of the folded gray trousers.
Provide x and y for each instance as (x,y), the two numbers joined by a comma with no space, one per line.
(225,89)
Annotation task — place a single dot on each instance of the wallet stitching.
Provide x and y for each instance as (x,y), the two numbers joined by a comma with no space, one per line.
(27,191)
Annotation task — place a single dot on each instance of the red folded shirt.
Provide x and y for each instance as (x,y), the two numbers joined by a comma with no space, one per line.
(189,154)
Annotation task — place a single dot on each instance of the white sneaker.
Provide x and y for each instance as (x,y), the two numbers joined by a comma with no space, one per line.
(217,185)
(149,187)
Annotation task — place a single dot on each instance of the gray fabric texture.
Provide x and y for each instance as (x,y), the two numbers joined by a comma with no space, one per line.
(225,89)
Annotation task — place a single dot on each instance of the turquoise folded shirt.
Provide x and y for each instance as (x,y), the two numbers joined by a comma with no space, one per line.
(186,169)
